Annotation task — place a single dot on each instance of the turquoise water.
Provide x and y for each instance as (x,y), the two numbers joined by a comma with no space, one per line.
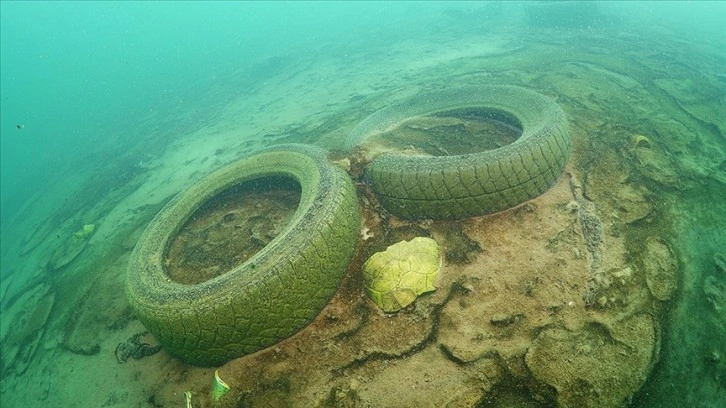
(110,108)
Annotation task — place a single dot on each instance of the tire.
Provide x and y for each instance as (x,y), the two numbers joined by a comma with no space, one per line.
(271,295)
(461,186)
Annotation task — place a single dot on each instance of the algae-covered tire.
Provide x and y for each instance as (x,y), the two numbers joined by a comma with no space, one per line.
(272,294)
(460,186)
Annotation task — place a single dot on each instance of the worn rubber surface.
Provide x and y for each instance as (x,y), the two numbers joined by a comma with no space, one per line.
(274,293)
(455,187)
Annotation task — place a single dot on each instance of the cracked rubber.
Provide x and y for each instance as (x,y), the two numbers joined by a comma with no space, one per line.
(461,186)
(274,293)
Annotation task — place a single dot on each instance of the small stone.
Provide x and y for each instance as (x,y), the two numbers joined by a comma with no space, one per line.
(715,291)
(572,206)
(720,262)
(366,233)
(505,319)
(623,275)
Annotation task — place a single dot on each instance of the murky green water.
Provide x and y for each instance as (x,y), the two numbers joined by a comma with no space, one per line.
(110,109)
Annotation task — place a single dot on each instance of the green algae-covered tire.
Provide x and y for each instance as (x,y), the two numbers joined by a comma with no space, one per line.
(460,186)
(272,294)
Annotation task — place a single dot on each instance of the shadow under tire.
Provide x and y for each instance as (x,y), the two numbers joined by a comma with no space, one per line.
(461,186)
(271,295)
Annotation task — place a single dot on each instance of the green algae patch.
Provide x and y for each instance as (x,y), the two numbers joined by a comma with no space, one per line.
(394,278)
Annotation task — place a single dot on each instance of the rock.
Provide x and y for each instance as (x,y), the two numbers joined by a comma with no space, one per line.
(459,248)
(476,327)
(25,326)
(714,286)
(661,268)
(632,204)
(599,366)
(720,262)
(68,250)
(88,324)
(715,291)
(590,224)
(130,242)
(502,320)
(656,165)
(36,237)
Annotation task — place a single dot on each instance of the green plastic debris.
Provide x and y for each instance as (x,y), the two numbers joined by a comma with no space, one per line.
(219,387)
(396,276)
(188,399)
(84,232)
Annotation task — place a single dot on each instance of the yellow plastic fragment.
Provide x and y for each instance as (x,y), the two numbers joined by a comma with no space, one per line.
(394,278)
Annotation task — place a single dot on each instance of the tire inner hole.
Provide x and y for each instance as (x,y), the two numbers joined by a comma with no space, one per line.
(230,228)
(452,132)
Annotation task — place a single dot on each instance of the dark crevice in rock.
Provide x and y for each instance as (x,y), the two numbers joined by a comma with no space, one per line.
(432,336)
